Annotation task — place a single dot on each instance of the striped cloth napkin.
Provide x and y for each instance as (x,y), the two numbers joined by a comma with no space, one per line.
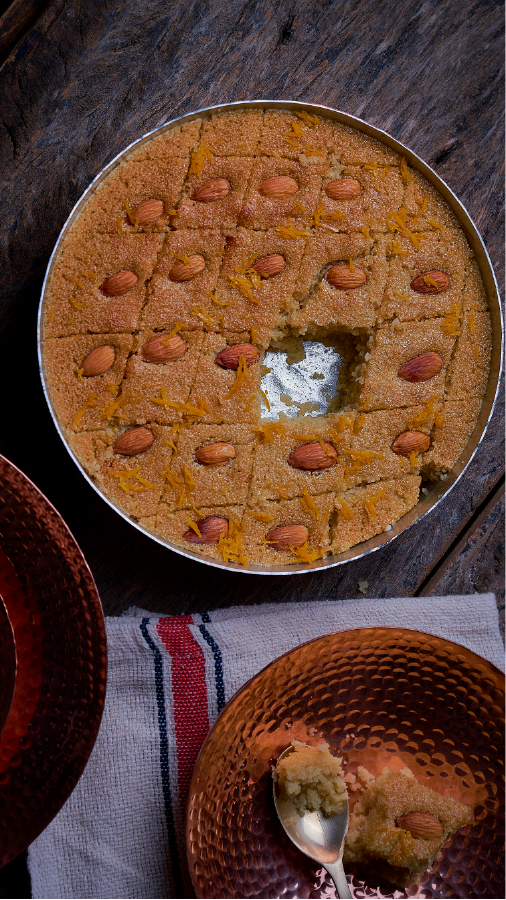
(121,833)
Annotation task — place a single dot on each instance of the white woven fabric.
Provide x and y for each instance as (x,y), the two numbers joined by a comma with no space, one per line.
(121,833)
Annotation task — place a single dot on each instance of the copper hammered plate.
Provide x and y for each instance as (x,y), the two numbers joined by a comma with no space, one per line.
(53,664)
(379,696)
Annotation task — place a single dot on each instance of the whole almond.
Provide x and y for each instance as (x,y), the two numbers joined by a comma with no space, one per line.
(343,188)
(134,441)
(409,442)
(211,529)
(421,825)
(342,277)
(185,271)
(269,266)
(312,457)
(160,350)
(218,454)
(214,189)
(119,283)
(284,537)
(422,367)
(147,212)
(422,286)
(229,357)
(98,361)
(280,187)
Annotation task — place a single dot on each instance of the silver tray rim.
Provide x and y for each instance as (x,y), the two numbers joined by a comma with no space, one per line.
(435,494)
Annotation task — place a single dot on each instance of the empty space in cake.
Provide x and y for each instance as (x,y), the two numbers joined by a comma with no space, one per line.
(303,377)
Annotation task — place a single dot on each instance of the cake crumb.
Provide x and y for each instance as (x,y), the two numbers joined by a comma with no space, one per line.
(362,586)
(312,778)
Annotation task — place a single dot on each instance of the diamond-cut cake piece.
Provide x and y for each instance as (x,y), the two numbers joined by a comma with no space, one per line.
(174,525)
(394,345)
(263,210)
(302,136)
(413,289)
(370,457)
(275,478)
(379,834)
(329,305)
(134,483)
(77,305)
(470,365)
(426,207)
(230,395)
(260,520)
(114,206)
(474,291)
(154,391)
(351,147)
(211,478)
(373,195)
(178,293)
(79,401)
(176,141)
(454,425)
(233,133)
(195,213)
(363,512)
(325,249)
(245,297)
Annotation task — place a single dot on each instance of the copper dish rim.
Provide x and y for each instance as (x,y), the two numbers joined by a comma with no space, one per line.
(435,491)
(85,582)
(500,676)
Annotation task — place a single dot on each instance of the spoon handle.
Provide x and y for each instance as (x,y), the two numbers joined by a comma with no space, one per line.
(336,872)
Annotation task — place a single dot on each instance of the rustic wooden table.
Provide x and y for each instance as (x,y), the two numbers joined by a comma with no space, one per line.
(81,79)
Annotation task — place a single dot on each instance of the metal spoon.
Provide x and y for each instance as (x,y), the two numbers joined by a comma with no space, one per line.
(319,837)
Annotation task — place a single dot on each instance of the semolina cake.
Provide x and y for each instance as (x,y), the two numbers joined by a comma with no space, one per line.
(312,779)
(161,365)
(396,825)
(81,291)
(209,251)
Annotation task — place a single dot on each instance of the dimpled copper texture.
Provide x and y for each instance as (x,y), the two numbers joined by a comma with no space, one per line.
(380,697)
(7,665)
(59,637)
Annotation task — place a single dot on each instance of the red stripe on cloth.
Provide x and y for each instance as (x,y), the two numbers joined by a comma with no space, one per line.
(189,692)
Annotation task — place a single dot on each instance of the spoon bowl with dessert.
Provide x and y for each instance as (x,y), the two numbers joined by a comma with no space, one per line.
(311,801)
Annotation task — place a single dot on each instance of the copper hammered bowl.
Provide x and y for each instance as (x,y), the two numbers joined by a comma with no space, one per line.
(379,696)
(53,662)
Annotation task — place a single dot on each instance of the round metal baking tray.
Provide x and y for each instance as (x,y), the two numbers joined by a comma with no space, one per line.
(437,490)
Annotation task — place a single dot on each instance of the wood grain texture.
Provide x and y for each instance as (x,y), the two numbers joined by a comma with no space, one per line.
(477,558)
(15,20)
(93,75)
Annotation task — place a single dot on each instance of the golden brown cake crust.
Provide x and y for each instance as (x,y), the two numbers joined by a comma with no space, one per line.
(376,836)
(315,230)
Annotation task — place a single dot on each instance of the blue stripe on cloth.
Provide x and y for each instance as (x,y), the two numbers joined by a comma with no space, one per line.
(164,759)
(218,662)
